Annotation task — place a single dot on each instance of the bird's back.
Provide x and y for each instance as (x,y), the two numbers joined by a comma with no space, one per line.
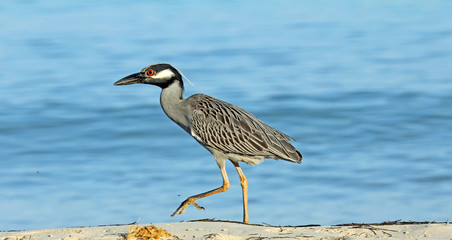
(232,130)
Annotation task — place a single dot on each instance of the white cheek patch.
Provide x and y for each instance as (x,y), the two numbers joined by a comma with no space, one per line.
(164,75)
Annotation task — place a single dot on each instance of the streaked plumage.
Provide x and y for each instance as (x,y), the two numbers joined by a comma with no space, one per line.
(227,131)
(230,129)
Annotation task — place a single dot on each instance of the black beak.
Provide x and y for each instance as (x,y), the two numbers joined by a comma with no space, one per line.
(131,79)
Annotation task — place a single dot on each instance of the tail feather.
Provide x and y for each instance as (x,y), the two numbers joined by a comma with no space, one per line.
(300,158)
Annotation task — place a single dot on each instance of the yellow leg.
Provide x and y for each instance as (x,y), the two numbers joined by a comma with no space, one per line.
(244,184)
(192,199)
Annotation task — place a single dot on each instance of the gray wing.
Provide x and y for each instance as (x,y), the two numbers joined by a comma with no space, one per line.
(231,129)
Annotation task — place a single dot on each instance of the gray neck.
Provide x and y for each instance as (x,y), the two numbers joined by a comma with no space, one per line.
(173,104)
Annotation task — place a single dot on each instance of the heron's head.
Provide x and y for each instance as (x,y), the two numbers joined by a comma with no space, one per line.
(159,74)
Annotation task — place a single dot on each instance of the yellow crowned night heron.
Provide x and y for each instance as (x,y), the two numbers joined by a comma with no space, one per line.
(227,131)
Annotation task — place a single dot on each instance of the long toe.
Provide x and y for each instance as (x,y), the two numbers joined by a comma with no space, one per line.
(180,210)
(197,206)
(184,205)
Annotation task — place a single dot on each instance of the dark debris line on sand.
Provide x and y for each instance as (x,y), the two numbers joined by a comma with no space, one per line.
(396,222)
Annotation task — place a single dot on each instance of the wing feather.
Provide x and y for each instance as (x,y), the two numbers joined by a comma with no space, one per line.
(231,129)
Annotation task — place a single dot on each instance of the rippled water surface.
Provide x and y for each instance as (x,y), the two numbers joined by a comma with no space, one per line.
(365,87)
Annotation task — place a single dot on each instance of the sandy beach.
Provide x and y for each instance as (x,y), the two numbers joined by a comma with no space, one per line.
(237,231)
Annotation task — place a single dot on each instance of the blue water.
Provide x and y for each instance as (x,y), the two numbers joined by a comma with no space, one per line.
(365,87)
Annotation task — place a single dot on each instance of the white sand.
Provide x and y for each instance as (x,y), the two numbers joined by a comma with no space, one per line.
(237,231)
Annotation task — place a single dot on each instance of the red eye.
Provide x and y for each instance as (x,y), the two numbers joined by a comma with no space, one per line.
(150,72)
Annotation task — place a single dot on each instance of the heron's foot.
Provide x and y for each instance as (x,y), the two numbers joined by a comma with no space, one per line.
(185,204)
